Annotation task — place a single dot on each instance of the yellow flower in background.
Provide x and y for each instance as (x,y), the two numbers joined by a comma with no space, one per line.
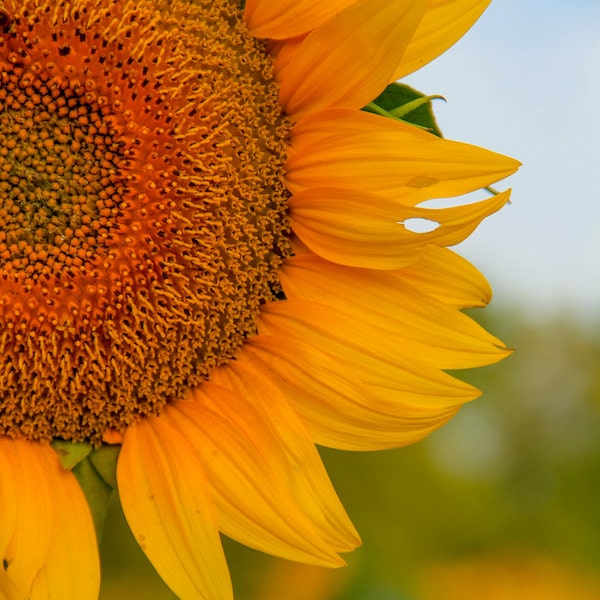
(206,257)
(508,576)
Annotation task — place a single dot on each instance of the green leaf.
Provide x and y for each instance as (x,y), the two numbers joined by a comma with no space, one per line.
(70,453)
(399,101)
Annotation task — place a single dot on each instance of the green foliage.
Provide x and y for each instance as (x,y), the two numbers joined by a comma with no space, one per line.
(401,102)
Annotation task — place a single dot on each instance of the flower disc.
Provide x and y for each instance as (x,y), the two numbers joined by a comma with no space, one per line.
(142,203)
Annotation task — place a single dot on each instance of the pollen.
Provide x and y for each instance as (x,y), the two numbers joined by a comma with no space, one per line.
(142,206)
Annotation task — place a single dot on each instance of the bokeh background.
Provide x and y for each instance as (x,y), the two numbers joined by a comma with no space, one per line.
(502,503)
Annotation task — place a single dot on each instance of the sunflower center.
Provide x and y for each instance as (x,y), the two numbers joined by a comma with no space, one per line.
(142,205)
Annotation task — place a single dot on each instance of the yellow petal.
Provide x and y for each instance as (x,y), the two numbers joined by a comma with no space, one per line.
(338,409)
(447,277)
(8,496)
(289,18)
(444,23)
(407,381)
(72,570)
(423,327)
(353,228)
(359,150)
(48,538)
(265,487)
(283,51)
(164,495)
(350,58)
(360,229)
(28,542)
(8,590)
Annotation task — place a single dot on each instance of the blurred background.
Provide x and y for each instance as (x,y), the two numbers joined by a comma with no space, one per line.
(500,504)
(503,502)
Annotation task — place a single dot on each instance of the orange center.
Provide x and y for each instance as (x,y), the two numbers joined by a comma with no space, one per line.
(142,205)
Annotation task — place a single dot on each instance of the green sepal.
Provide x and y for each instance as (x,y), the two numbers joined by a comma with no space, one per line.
(70,453)
(97,492)
(104,460)
(95,471)
(401,102)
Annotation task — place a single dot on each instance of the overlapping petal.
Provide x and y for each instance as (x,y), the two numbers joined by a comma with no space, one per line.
(47,535)
(289,18)
(266,480)
(410,382)
(443,24)
(447,277)
(422,327)
(166,502)
(8,590)
(72,569)
(360,229)
(336,406)
(350,58)
(367,152)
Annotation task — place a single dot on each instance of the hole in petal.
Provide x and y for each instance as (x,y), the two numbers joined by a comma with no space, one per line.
(419,225)
(449,202)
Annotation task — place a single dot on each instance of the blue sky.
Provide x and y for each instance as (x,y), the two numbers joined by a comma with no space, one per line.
(527,83)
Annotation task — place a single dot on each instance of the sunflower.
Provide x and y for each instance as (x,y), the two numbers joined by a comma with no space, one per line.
(207,267)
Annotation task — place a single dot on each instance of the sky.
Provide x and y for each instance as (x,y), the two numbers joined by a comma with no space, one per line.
(526,82)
